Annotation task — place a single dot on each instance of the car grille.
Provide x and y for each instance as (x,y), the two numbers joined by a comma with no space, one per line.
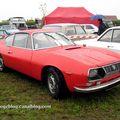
(112,69)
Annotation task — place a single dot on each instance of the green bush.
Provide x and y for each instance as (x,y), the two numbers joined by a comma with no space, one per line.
(30,22)
(116,22)
(4,23)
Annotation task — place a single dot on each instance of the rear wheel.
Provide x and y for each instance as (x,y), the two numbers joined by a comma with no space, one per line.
(55,83)
(1,64)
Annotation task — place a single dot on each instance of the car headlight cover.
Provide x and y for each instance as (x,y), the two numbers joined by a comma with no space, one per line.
(93,73)
(96,74)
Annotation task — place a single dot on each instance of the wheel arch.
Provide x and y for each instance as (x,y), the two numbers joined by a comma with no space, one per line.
(44,71)
(64,90)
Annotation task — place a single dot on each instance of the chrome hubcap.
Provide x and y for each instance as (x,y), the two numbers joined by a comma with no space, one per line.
(51,83)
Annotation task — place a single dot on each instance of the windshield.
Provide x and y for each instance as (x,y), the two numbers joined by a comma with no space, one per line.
(74,30)
(48,40)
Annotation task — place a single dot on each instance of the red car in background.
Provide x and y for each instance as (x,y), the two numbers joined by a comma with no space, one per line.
(53,58)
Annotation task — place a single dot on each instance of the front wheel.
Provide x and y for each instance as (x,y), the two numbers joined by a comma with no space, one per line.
(55,83)
(1,64)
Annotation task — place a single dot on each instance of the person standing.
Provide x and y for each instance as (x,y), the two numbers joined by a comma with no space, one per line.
(102,27)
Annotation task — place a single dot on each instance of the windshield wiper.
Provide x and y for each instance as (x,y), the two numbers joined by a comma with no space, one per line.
(49,35)
(57,41)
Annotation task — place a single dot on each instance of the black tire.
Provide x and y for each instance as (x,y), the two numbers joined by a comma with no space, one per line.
(2,66)
(55,83)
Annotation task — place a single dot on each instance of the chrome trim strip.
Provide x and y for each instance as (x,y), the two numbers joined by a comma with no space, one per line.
(98,87)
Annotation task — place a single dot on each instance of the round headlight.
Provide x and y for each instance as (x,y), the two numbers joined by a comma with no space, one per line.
(96,74)
(93,73)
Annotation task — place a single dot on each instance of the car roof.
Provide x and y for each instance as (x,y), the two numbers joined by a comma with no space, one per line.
(30,31)
(61,24)
(87,24)
(115,27)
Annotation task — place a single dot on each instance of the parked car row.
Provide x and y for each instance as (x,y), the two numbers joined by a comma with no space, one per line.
(53,58)
(72,31)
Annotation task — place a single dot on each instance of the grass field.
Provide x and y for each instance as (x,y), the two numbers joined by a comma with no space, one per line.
(17,89)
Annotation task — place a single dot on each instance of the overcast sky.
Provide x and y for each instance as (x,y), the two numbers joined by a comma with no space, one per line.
(30,8)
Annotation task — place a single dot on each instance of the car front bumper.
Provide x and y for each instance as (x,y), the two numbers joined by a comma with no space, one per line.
(106,85)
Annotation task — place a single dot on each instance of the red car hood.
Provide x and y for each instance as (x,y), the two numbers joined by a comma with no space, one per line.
(87,55)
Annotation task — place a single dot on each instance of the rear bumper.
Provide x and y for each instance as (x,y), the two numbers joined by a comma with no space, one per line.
(103,86)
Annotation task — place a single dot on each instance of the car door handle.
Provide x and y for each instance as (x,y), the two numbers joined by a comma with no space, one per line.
(110,46)
(9,52)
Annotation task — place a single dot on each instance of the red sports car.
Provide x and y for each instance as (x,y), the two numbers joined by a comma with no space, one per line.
(53,58)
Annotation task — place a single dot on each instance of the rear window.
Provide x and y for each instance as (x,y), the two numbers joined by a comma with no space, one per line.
(106,37)
(116,36)
(89,27)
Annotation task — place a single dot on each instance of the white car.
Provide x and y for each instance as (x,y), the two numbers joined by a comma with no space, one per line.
(72,31)
(109,39)
(10,29)
(90,28)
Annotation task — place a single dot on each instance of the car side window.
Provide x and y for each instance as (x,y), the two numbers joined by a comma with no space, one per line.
(9,40)
(116,36)
(20,40)
(79,30)
(5,33)
(106,37)
(89,27)
(29,43)
(70,30)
